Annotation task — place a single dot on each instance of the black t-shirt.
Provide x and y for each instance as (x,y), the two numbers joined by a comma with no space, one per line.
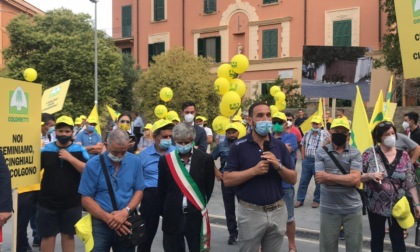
(415,135)
(299,121)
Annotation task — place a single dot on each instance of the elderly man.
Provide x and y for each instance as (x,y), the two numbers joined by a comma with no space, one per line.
(5,192)
(126,181)
(340,201)
(257,164)
(59,206)
(88,138)
(151,205)
(312,140)
(185,184)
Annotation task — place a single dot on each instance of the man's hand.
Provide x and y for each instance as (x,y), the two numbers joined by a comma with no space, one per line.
(417,209)
(321,177)
(4,217)
(261,168)
(124,229)
(377,176)
(131,143)
(289,148)
(65,155)
(218,174)
(269,156)
(116,219)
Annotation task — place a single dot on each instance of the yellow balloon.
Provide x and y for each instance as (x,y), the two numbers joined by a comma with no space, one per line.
(239,63)
(221,85)
(281,105)
(230,103)
(273,109)
(279,97)
(241,129)
(238,86)
(225,71)
(171,115)
(274,90)
(166,94)
(219,123)
(30,74)
(161,111)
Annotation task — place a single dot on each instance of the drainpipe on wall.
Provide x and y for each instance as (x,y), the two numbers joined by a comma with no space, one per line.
(183,24)
(304,22)
(138,34)
(380,24)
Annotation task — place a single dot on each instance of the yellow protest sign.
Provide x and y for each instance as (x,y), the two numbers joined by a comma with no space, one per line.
(20,121)
(53,98)
(408,20)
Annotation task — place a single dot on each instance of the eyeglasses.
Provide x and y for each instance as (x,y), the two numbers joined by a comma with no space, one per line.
(382,124)
(125,121)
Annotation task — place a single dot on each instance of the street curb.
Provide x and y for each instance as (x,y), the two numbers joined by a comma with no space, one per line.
(311,234)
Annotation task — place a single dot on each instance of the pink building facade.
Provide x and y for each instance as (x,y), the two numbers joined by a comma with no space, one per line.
(271,33)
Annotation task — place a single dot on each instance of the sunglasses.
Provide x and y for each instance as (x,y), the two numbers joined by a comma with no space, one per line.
(289,120)
(382,124)
(125,121)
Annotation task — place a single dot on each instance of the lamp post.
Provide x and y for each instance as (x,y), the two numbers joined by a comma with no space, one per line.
(96,51)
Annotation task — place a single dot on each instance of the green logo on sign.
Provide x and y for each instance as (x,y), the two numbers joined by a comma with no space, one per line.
(18,101)
(416,8)
(55,91)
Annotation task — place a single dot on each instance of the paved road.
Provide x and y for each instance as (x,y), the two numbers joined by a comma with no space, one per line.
(315,89)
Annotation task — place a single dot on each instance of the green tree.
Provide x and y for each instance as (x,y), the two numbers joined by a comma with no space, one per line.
(189,78)
(131,75)
(60,46)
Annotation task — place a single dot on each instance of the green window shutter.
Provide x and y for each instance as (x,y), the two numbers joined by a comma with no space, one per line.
(269,1)
(159,48)
(264,89)
(159,10)
(342,33)
(201,45)
(218,49)
(209,6)
(126,21)
(151,53)
(270,44)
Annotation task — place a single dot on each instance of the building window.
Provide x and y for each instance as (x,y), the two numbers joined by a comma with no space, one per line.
(342,33)
(270,1)
(210,47)
(159,10)
(270,44)
(209,6)
(156,49)
(126,50)
(264,88)
(126,21)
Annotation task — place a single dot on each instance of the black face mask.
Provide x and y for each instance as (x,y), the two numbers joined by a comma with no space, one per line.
(231,140)
(339,139)
(64,139)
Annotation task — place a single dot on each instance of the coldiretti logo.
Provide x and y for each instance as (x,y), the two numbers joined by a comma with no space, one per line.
(55,91)
(18,101)
(416,8)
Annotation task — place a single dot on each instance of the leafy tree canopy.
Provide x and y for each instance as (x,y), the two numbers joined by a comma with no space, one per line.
(189,78)
(60,46)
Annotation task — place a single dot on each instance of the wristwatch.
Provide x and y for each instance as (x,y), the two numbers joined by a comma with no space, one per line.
(128,209)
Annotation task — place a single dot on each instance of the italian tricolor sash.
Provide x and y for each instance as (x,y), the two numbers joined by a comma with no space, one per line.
(190,189)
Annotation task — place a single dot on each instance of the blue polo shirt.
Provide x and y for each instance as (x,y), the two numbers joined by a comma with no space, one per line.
(291,139)
(149,159)
(222,151)
(125,183)
(262,189)
(88,140)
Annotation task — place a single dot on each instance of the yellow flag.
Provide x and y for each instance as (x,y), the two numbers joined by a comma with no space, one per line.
(94,113)
(388,100)
(320,108)
(306,125)
(361,137)
(377,115)
(114,114)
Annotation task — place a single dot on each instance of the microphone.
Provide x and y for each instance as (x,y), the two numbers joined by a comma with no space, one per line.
(266,146)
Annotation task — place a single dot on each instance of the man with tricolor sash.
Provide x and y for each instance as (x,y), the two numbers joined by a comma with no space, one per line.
(257,165)
(185,184)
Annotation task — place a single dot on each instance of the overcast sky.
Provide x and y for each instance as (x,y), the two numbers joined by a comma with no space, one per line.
(81,6)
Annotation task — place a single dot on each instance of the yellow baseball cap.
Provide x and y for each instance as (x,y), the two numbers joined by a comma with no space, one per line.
(280,115)
(148,126)
(83,117)
(84,231)
(402,213)
(316,119)
(78,120)
(176,119)
(66,120)
(160,124)
(92,119)
(231,126)
(337,122)
(201,118)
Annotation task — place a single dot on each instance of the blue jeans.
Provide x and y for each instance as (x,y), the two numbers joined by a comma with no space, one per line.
(308,171)
(105,238)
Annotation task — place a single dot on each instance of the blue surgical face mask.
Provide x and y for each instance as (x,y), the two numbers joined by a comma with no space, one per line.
(115,159)
(263,128)
(165,143)
(90,128)
(316,129)
(51,130)
(184,149)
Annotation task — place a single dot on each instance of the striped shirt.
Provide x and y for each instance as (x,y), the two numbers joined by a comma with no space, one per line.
(312,142)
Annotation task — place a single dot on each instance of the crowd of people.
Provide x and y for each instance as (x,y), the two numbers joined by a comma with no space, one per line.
(167,169)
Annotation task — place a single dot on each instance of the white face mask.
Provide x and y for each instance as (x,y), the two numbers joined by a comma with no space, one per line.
(389,141)
(189,118)
(405,125)
(289,123)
